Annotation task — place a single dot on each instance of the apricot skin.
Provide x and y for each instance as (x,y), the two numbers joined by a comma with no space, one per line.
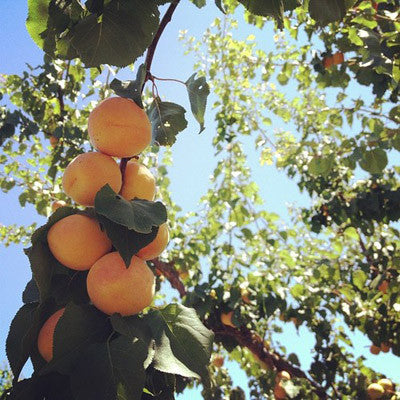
(87,173)
(46,335)
(119,127)
(226,319)
(375,391)
(55,205)
(157,246)
(279,392)
(282,375)
(138,182)
(113,288)
(374,349)
(77,241)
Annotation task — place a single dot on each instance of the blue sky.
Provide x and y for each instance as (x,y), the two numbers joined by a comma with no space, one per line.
(193,164)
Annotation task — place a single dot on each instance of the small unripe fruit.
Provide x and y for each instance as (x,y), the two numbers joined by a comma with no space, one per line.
(78,242)
(157,246)
(87,173)
(218,361)
(387,384)
(46,335)
(113,288)
(138,182)
(374,349)
(385,347)
(375,391)
(55,205)
(119,127)
(226,319)
(282,375)
(279,392)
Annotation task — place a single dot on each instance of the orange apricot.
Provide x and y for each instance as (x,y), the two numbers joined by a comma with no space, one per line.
(55,205)
(138,182)
(385,347)
(383,287)
(282,375)
(375,391)
(279,392)
(338,58)
(119,127)
(226,319)
(53,141)
(374,349)
(77,241)
(46,335)
(87,173)
(157,246)
(218,361)
(114,288)
(387,385)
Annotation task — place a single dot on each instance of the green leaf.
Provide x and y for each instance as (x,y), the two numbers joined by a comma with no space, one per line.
(36,22)
(79,326)
(321,165)
(131,89)
(167,120)
(183,344)
(218,3)
(31,292)
(266,8)
(326,11)
(374,161)
(119,36)
(17,355)
(359,279)
(138,215)
(198,91)
(110,371)
(199,3)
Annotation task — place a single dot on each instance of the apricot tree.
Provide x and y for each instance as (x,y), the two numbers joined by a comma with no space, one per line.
(239,271)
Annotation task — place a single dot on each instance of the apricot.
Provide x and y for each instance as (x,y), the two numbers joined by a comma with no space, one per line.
(46,335)
(387,384)
(77,241)
(138,182)
(87,173)
(374,349)
(55,205)
(53,141)
(385,347)
(218,361)
(383,287)
(226,319)
(245,296)
(282,375)
(113,288)
(119,127)
(375,391)
(157,246)
(279,392)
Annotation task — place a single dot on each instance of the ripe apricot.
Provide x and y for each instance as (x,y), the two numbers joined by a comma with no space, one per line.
(46,335)
(338,58)
(385,347)
(218,361)
(55,205)
(383,287)
(53,141)
(279,392)
(157,246)
(226,319)
(119,127)
(87,173)
(113,288)
(375,391)
(138,182)
(374,349)
(77,241)
(387,384)
(282,375)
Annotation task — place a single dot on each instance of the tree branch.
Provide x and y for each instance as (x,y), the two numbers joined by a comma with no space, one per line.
(244,336)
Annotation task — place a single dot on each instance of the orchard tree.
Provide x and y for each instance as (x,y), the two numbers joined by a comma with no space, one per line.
(88,323)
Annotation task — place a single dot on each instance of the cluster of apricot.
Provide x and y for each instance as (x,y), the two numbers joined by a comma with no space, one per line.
(117,128)
(384,348)
(382,388)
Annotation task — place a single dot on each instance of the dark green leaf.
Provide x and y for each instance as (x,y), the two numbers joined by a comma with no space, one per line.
(321,165)
(325,11)
(167,120)
(374,161)
(131,89)
(359,279)
(119,36)
(31,292)
(198,91)
(138,215)
(182,343)
(36,23)
(266,8)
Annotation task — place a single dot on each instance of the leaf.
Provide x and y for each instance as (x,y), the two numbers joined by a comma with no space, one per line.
(321,165)
(374,161)
(20,325)
(183,344)
(131,89)
(359,279)
(326,11)
(79,326)
(138,215)
(36,21)
(198,91)
(218,3)
(167,120)
(31,292)
(127,242)
(110,371)
(199,3)
(266,8)
(119,36)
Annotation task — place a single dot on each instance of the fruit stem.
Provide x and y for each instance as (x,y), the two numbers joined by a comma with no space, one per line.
(152,48)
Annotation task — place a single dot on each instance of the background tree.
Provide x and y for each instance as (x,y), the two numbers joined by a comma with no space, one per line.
(335,265)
